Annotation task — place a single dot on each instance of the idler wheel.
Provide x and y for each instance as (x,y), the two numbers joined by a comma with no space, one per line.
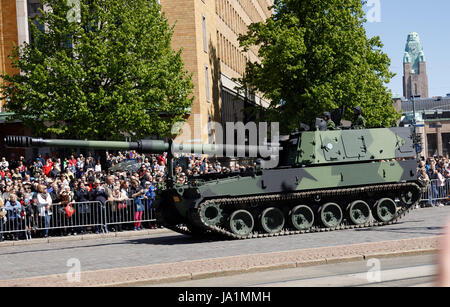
(409,195)
(330,215)
(211,214)
(272,220)
(359,212)
(241,222)
(302,217)
(385,210)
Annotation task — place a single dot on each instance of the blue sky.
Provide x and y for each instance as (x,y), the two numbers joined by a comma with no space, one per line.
(431,19)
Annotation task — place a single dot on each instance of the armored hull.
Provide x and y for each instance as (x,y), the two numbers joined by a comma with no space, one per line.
(324,181)
(293,201)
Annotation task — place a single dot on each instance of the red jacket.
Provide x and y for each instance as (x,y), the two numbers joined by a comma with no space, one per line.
(47,168)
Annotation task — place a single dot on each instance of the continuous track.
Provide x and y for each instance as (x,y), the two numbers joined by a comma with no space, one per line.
(261,200)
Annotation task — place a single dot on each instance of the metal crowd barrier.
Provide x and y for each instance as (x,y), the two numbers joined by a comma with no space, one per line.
(85,214)
(436,192)
(59,220)
(127,212)
(11,224)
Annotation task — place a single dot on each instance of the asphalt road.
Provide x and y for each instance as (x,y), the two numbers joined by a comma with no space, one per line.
(107,253)
(411,271)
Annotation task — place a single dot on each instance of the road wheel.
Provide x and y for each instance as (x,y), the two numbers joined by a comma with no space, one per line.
(330,215)
(272,220)
(385,210)
(302,217)
(241,223)
(359,212)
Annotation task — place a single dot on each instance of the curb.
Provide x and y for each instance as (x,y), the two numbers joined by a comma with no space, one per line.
(205,275)
(233,265)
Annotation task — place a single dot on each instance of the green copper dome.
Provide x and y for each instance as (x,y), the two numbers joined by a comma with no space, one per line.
(414,52)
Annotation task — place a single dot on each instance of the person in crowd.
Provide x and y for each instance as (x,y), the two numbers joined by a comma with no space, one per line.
(14,210)
(68,175)
(119,202)
(28,213)
(99,194)
(432,190)
(7,190)
(37,168)
(125,187)
(2,218)
(90,164)
(149,199)
(4,165)
(44,209)
(67,216)
(81,197)
(98,167)
(136,193)
(110,205)
(17,175)
(47,168)
(440,184)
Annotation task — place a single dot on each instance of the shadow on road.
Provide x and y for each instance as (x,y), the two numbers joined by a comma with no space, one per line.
(172,240)
(410,230)
(176,239)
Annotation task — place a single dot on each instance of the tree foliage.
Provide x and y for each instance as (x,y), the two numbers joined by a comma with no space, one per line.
(103,70)
(317,57)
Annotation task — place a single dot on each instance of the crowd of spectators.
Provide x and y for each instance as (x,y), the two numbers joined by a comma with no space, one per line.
(435,170)
(33,188)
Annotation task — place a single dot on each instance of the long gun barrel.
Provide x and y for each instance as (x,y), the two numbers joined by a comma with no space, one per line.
(145,146)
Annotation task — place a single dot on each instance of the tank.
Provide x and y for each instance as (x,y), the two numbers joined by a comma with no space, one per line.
(324,181)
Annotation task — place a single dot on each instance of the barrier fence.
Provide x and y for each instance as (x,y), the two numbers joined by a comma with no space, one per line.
(436,191)
(76,217)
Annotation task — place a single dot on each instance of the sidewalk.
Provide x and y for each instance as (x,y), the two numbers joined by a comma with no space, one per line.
(129,233)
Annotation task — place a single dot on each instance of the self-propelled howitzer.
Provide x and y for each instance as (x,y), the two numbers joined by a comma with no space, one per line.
(323,180)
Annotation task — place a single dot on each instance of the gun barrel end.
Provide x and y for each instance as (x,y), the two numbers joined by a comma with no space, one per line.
(20,141)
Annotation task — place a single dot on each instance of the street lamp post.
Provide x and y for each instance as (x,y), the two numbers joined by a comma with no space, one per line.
(418,147)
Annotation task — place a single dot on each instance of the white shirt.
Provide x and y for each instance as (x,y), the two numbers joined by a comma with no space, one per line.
(43,201)
(4,164)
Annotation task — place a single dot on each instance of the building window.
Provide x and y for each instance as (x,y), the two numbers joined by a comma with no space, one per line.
(208,94)
(205,35)
(210,130)
(432,144)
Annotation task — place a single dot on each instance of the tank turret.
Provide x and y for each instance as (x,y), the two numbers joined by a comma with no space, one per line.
(347,146)
(322,181)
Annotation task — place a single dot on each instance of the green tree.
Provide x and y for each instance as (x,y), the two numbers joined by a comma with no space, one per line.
(99,69)
(317,57)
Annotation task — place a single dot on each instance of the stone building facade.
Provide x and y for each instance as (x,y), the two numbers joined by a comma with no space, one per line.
(433,120)
(208,31)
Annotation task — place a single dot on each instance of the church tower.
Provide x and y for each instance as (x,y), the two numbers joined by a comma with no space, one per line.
(415,79)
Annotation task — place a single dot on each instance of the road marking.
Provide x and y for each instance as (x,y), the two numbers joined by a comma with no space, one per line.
(357,279)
